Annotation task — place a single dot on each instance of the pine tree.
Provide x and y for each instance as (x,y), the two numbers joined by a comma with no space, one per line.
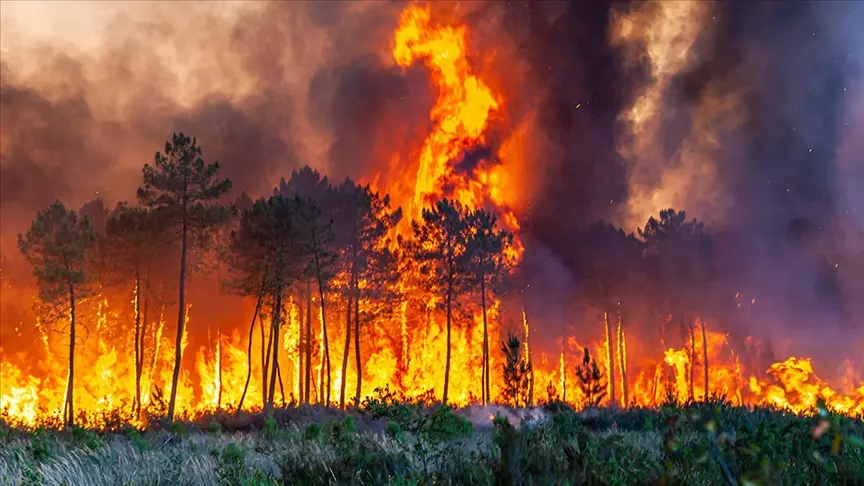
(131,243)
(591,380)
(487,264)
(516,372)
(182,190)
(438,248)
(57,246)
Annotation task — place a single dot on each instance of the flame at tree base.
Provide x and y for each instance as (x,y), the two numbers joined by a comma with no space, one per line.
(405,352)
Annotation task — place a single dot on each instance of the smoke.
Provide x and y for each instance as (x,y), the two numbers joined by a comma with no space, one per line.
(746,117)
(265,87)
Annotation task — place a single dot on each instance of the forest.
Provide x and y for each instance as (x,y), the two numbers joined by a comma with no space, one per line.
(333,268)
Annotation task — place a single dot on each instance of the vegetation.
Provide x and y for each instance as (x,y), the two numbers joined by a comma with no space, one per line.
(390,440)
(311,241)
(57,246)
(181,189)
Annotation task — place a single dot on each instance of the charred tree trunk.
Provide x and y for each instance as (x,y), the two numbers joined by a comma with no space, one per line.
(705,356)
(485,384)
(530,357)
(219,364)
(308,391)
(265,358)
(274,339)
(268,354)
(70,411)
(449,319)
(136,405)
(692,377)
(357,351)
(610,354)
(181,317)
(325,396)
(139,370)
(347,350)
(281,386)
(249,349)
(622,358)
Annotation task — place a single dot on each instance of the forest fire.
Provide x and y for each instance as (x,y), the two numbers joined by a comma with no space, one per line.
(416,303)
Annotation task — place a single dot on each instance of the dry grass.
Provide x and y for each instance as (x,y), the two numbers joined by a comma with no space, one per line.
(309,447)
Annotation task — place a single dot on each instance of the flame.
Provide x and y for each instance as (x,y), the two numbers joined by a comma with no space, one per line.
(406,351)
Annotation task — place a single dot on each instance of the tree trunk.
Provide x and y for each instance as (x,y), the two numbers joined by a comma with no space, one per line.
(181,320)
(323,321)
(281,386)
(274,338)
(610,354)
(705,356)
(265,358)
(622,358)
(139,371)
(347,340)
(692,359)
(358,362)
(249,348)
(136,405)
(485,384)
(300,369)
(70,411)
(530,357)
(268,355)
(219,364)
(449,318)
(308,391)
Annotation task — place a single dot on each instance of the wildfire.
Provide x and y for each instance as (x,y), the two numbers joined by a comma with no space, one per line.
(405,350)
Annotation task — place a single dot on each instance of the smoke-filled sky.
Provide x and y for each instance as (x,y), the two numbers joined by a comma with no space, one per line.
(747,115)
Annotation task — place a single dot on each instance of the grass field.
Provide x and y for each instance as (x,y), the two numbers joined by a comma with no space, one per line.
(390,442)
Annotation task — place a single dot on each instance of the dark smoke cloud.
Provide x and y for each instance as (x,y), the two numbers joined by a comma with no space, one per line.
(252,87)
(781,206)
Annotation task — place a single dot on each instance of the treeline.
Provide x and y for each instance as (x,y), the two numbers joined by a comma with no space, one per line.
(336,241)
(308,237)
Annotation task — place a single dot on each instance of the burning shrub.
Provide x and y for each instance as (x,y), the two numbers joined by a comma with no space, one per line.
(516,373)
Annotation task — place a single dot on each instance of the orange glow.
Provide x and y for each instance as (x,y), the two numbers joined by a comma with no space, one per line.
(404,349)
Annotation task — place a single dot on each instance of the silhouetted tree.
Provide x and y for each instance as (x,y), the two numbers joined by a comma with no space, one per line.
(680,260)
(130,244)
(438,248)
(308,183)
(318,232)
(590,380)
(57,247)
(182,190)
(363,221)
(271,254)
(486,264)
(516,370)
(608,260)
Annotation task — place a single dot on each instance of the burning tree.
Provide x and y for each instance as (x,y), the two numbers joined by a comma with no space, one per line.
(270,253)
(181,190)
(591,380)
(439,248)
(608,260)
(516,370)
(309,184)
(363,221)
(319,237)
(132,240)
(679,256)
(486,264)
(57,246)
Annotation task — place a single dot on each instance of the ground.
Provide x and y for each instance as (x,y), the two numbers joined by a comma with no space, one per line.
(387,442)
